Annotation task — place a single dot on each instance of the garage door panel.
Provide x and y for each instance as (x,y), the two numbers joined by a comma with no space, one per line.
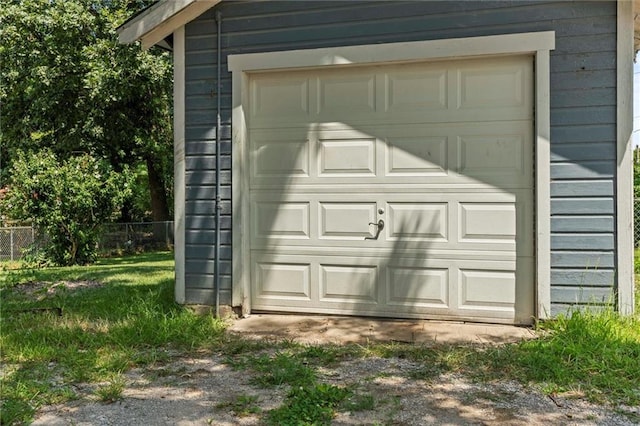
(292,95)
(483,86)
(418,221)
(281,220)
(490,155)
(473,153)
(487,290)
(487,222)
(418,287)
(417,156)
(476,90)
(468,221)
(283,281)
(346,221)
(349,283)
(345,92)
(282,159)
(347,157)
(280,155)
(414,88)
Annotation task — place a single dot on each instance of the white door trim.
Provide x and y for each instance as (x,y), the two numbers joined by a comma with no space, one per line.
(539,44)
(624,172)
(179,163)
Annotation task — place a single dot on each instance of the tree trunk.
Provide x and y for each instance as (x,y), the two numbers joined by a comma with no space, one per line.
(159,206)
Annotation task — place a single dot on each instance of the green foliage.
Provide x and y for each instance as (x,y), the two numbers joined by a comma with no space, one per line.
(242,405)
(596,353)
(65,201)
(309,405)
(280,369)
(67,85)
(129,319)
(111,391)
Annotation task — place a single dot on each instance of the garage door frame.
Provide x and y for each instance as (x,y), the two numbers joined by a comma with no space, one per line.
(539,44)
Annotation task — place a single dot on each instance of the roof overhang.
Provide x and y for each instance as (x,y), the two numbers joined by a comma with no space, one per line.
(160,20)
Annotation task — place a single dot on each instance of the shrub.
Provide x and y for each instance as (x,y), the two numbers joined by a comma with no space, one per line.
(66,201)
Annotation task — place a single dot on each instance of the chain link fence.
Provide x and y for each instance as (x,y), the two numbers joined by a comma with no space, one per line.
(636,222)
(139,236)
(14,240)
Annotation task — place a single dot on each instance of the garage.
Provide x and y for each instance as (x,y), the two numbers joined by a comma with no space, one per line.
(401,190)
(450,160)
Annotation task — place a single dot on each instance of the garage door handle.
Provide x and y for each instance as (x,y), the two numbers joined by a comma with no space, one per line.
(380,227)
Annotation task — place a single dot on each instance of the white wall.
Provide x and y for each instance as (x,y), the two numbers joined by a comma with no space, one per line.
(636,101)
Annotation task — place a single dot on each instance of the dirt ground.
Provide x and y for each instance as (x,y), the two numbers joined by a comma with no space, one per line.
(197,391)
(201,391)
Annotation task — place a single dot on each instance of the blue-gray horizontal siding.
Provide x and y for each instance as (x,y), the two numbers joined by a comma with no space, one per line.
(583,113)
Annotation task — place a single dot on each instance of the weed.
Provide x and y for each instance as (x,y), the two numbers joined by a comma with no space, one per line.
(309,405)
(358,402)
(242,405)
(325,355)
(112,391)
(282,369)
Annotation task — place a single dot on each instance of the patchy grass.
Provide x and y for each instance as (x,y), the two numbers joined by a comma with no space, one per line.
(309,401)
(125,317)
(309,405)
(242,405)
(111,391)
(595,354)
(129,319)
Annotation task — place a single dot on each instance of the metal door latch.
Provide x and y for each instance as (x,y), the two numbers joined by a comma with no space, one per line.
(379,226)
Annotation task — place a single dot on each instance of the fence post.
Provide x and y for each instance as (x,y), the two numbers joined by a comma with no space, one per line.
(166,233)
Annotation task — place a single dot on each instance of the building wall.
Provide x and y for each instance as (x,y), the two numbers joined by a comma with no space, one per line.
(583,114)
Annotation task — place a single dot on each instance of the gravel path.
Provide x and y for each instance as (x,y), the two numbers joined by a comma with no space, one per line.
(199,391)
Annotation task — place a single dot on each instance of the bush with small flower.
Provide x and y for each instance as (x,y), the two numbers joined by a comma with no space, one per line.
(66,201)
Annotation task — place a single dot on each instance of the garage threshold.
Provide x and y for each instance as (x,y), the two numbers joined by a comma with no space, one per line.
(312,329)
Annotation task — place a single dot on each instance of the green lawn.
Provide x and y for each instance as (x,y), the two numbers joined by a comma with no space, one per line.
(126,317)
(129,320)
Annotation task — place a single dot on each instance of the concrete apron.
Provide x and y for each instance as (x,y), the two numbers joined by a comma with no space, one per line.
(311,329)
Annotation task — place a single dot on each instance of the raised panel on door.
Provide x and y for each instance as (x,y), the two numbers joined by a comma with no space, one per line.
(347,284)
(291,92)
(346,220)
(416,88)
(487,222)
(346,93)
(282,281)
(426,221)
(495,90)
(499,155)
(272,219)
(485,289)
(420,155)
(278,156)
(347,157)
(418,287)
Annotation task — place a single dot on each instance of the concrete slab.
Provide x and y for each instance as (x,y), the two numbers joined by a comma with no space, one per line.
(336,329)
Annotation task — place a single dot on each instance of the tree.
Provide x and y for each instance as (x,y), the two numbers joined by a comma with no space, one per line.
(66,201)
(67,85)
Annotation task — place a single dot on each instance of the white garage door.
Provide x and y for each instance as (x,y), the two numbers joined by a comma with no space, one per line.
(395,190)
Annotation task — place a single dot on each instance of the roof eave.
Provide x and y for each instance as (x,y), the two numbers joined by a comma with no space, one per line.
(160,20)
